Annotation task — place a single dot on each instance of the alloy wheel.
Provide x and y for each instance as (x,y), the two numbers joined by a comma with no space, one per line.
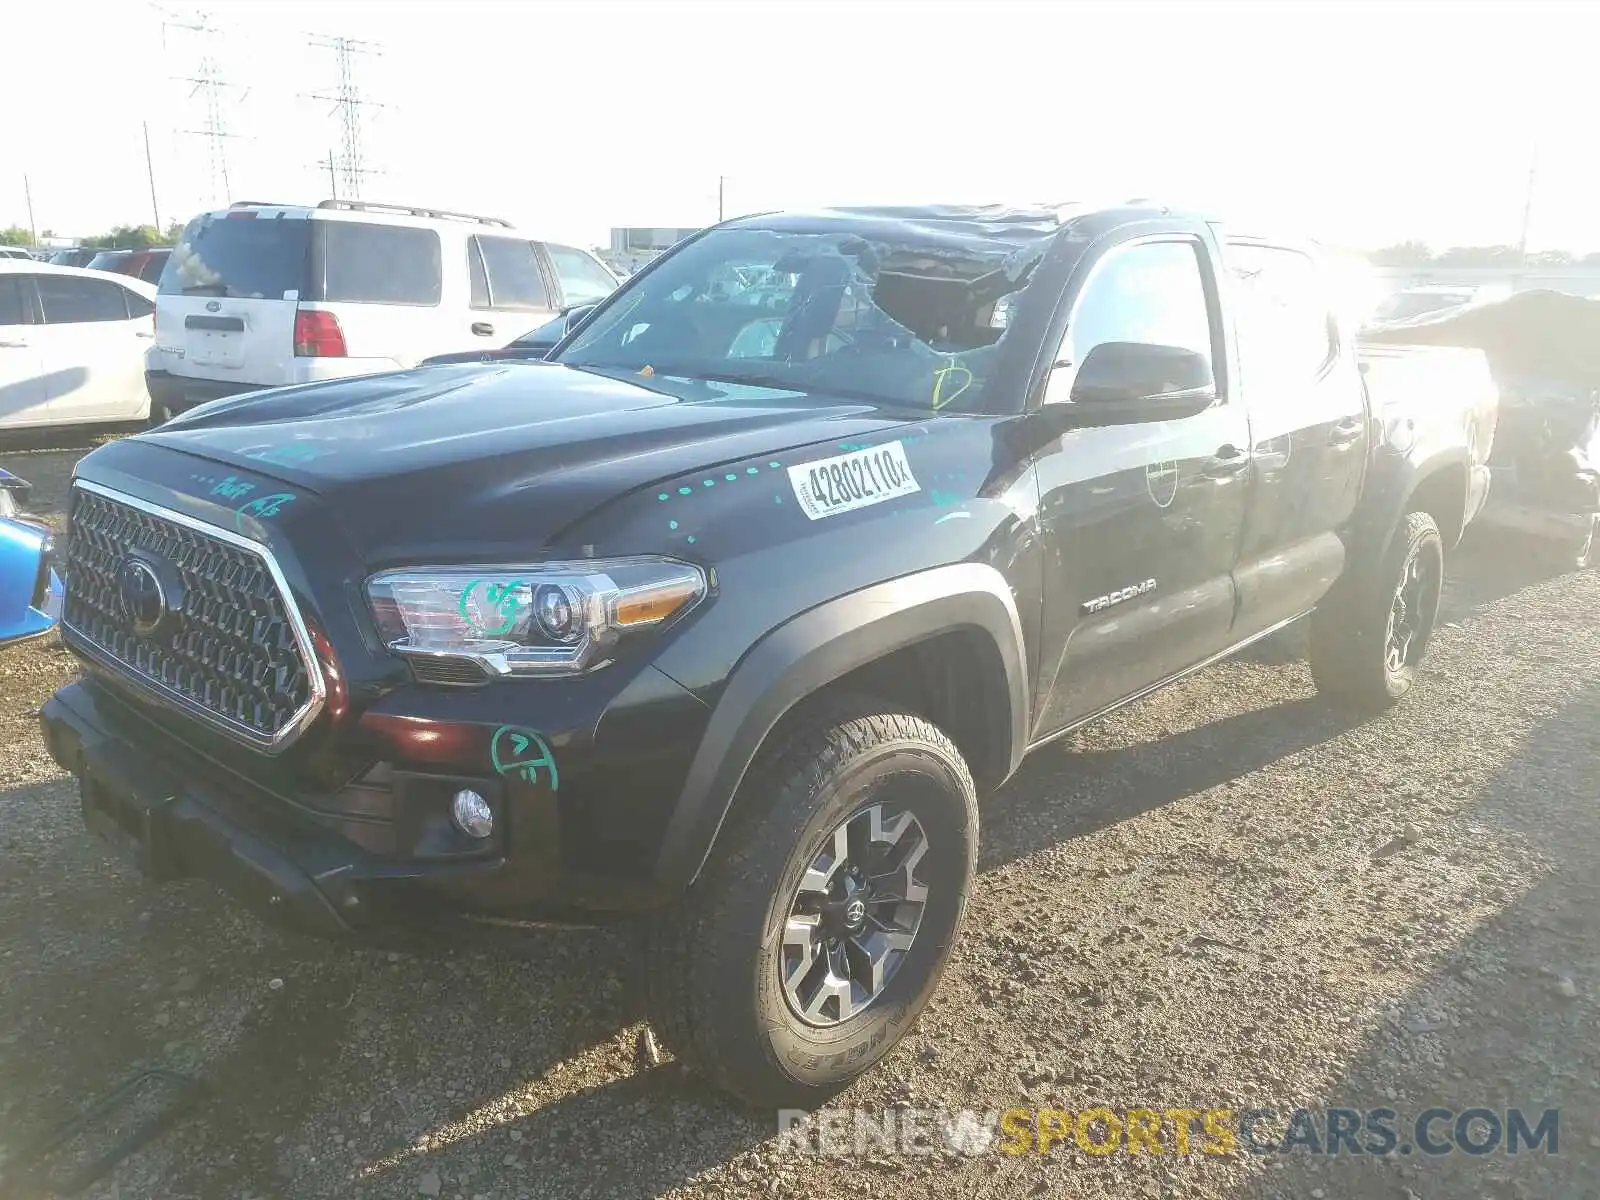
(854,915)
(1408,615)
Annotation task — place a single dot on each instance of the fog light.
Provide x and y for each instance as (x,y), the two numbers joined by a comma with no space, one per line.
(472,813)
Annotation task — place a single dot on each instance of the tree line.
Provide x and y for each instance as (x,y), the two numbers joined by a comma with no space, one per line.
(121,237)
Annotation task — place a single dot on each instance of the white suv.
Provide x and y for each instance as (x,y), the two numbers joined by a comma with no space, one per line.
(265,295)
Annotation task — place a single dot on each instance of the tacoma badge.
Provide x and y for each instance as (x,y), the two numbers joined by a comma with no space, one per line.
(1117,597)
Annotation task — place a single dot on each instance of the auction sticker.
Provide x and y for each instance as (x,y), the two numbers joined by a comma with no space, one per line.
(850,481)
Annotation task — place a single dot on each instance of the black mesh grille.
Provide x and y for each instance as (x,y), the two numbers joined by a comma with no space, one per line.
(446,670)
(230,648)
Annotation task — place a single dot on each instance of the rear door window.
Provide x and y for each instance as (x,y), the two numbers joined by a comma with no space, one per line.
(358,263)
(241,257)
(1285,316)
(583,279)
(70,300)
(511,277)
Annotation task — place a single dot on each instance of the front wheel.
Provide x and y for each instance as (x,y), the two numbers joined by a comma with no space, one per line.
(1368,641)
(819,931)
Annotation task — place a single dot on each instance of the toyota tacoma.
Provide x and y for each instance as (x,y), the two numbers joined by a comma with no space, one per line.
(726,615)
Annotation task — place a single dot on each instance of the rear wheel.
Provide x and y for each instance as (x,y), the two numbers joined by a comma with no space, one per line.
(1368,642)
(820,929)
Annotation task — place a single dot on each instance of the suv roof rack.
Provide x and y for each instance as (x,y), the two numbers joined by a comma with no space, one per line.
(261,204)
(412,211)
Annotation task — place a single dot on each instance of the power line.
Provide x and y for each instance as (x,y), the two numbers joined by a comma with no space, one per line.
(1527,207)
(209,84)
(348,103)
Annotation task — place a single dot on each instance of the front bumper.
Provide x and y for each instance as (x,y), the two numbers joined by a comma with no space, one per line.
(177,819)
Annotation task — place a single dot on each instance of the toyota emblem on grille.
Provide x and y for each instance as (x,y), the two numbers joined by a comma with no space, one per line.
(143,598)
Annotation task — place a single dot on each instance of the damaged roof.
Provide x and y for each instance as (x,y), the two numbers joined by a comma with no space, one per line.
(1006,227)
(1011,237)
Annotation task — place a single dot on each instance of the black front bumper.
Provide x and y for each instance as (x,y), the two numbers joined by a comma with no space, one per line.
(175,821)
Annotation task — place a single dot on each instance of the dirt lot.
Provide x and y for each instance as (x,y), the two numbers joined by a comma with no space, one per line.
(1222,897)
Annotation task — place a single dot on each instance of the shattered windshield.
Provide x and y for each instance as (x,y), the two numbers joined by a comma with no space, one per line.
(910,324)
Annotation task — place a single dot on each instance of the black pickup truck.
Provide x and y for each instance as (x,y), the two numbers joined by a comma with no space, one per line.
(726,614)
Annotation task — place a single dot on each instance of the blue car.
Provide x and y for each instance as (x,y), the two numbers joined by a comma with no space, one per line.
(30,589)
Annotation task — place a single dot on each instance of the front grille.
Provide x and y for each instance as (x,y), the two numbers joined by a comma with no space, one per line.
(228,651)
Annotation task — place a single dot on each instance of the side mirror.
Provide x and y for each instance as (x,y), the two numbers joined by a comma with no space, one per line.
(577,312)
(1123,383)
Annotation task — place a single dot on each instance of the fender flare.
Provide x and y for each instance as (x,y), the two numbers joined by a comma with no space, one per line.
(1389,494)
(810,651)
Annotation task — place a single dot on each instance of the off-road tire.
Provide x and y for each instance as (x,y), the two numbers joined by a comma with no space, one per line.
(1349,634)
(711,963)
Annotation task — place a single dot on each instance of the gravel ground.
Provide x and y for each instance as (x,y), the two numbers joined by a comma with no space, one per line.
(1222,897)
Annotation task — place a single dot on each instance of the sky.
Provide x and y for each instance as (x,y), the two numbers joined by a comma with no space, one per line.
(1359,122)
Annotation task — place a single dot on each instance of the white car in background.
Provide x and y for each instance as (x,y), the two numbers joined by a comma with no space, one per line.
(267,295)
(72,345)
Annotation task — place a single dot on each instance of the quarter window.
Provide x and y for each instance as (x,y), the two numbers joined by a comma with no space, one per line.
(138,306)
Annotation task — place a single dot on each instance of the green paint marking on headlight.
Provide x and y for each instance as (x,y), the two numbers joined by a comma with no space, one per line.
(502,597)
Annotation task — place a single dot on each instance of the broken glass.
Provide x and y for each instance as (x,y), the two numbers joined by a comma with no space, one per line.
(912,321)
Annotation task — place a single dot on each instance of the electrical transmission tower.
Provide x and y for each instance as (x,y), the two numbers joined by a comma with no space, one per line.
(348,102)
(210,87)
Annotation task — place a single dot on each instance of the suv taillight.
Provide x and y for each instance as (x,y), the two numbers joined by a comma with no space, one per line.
(317,334)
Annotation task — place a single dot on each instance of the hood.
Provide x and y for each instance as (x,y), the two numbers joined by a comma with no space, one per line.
(485,458)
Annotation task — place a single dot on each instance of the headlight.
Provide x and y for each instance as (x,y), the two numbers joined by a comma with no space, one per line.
(542,619)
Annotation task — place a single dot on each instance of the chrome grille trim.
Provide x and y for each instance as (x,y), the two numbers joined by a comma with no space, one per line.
(80,641)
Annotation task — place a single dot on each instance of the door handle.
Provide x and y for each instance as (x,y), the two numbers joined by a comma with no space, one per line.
(483,329)
(16,345)
(1346,431)
(144,333)
(1229,460)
